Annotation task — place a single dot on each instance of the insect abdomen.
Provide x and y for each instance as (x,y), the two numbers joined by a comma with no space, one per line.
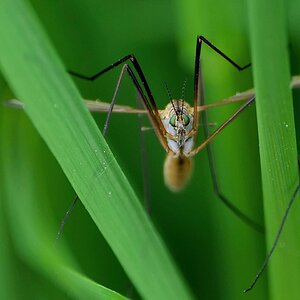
(177,172)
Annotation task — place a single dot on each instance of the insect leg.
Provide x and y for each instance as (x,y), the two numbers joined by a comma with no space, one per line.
(199,100)
(216,185)
(197,73)
(206,143)
(151,105)
(66,217)
(141,100)
(201,38)
(152,115)
(265,263)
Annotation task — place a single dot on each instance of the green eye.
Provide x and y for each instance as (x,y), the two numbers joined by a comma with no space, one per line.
(186,119)
(173,120)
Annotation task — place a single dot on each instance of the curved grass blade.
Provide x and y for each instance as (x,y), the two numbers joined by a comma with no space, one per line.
(24,190)
(39,80)
(278,151)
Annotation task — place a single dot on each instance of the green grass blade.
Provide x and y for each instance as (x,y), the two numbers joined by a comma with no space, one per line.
(6,257)
(27,215)
(6,287)
(55,108)
(277,141)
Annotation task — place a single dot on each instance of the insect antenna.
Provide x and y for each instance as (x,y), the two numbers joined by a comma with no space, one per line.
(183,93)
(183,88)
(168,91)
(171,98)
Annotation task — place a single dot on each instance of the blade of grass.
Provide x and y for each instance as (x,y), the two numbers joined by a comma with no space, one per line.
(6,256)
(24,193)
(31,234)
(37,77)
(6,277)
(278,150)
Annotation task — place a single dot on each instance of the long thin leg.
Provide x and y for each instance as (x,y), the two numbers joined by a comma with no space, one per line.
(66,217)
(265,263)
(216,185)
(154,120)
(140,97)
(208,43)
(197,73)
(151,102)
(234,209)
(212,167)
(221,127)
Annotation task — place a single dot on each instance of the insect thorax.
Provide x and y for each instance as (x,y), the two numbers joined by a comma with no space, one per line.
(178,118)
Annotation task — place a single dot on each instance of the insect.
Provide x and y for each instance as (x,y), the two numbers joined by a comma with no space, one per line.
(176,127)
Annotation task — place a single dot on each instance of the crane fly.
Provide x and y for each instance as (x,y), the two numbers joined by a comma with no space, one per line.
(176,127)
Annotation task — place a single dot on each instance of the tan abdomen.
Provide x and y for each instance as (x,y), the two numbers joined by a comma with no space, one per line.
(177,172)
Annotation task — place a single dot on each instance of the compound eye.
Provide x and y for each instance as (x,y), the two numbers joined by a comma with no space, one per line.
(173,120)
(186,119)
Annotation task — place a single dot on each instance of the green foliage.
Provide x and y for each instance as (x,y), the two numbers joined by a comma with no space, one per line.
(278,150)
(73,138)
(214,252)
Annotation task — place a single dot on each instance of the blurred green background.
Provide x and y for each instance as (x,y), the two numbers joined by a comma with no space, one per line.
(217,254)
